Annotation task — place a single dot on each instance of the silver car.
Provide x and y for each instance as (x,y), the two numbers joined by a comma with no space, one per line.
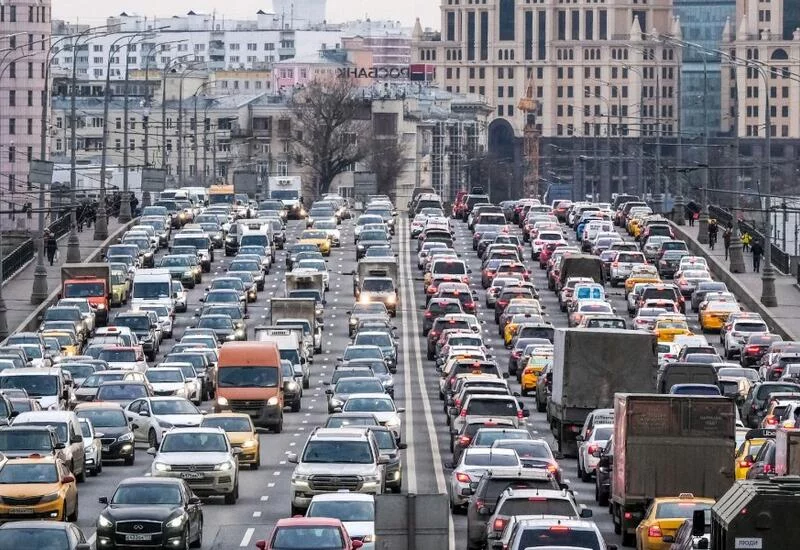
(203,457)
(475,462)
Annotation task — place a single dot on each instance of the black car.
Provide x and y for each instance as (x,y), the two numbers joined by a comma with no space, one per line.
(117,438)
(151,512)
(295,249)
(602,482)
(223,327)
(390,449)
(439,307)
(142,325)
(42,534)
(764,462)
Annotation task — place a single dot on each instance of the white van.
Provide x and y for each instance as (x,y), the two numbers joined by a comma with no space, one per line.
(152,286)
(68,430)
(46,385)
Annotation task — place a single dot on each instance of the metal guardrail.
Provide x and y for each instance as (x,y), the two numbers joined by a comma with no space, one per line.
(24,253)
(780,259)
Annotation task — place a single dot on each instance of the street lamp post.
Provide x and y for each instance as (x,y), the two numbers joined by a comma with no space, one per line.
(702,220)
(679,210)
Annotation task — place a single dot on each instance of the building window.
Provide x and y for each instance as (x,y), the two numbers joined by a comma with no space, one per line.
(12,98)
(12,126)
(506,19)
(283,168)
(562,24)
(12,69)
(30,126)
(30,98)
(451,26)
(12,154)
(499,110)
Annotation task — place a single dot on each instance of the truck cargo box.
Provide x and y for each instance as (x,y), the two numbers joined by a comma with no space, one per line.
(787,452)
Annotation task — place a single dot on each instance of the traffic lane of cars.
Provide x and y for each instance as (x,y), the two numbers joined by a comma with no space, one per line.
(537,422)
(256,510)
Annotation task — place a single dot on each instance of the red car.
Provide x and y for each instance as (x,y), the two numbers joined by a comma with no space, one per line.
(303,533)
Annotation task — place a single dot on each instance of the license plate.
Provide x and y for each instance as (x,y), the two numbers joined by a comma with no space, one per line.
(138,538)
(192,475)
(106,448)
(20,511)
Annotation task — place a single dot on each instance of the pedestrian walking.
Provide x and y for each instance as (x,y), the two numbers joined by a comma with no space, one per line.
(50,245)
(746,240)
(713,228)
(693,218)
(726,240)
(758,251)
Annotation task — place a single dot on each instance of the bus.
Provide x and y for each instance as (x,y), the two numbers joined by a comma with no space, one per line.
(221,194)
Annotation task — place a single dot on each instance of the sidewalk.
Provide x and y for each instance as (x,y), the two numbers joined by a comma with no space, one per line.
(787,313)
(17,290)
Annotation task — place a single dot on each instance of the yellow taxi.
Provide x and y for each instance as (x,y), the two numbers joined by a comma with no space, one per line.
(120,288)
(318,237)
(67,340)
(668,327)
(663,518)
(241,433)
(533,369)
(714,314)
(747,451)
(37,487)
(641,274)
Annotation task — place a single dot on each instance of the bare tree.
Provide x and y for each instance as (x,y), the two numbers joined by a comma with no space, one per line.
(386,159)
(332,128)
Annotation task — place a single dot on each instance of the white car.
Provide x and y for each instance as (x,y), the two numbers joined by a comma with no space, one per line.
(179,296)
(425,251)
(740,331)
(194,386)
(623,264)
(587,462)
(472,321)
(92,447)
(356,511)
(382,406)
(152,417)
(312,265)
(164,316)
(543,239)
(474,463)
(168,381)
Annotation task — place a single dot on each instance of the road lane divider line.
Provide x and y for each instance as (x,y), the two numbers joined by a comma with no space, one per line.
(411,454)
(248,534)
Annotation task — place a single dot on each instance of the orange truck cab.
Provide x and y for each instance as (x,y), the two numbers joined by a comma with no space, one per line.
(91,281)
(249,381)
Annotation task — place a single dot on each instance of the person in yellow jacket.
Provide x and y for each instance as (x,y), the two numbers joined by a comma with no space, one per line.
(746,240)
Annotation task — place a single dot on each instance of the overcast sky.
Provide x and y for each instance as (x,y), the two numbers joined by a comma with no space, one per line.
(93,12)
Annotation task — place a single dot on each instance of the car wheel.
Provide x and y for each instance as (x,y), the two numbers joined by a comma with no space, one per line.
(296,406)
(278,428)
(130,460)
(198,542)
(152,440)
(233,496)
(602,499)
(257,464)
(99,469)
(72,518)
(82,476)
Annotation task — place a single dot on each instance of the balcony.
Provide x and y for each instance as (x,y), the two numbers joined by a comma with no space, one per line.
(241,133)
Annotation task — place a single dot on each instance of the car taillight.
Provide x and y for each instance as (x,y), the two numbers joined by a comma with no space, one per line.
(520,414)
(772,420)
(457,403)
(428,314)
(767,468)
(499,524)
(463,414)
(745,463)
(434,334)
(593,448)
(654,531)
(516,353)
(464,439)
(751,349)
(478,504)
(461,477)
(552,468)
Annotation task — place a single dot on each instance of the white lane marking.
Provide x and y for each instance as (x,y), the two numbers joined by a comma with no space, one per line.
(270,484)
(90,540)
(438,469)
(256,514)
(405,291)
(265,498)
(248,534)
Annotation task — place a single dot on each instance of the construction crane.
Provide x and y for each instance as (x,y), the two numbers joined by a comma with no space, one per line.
(530,107)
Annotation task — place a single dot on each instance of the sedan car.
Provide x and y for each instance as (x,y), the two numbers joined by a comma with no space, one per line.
(381,406)
(38,534)
(151,511)
(588,449)
(473,464)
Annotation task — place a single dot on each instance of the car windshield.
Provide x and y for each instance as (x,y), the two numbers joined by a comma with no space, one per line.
(247,377)
(153,290)
(19,474)
(141,494)
(173,406)
(750,327)
(83,290)
(34,538)
(215,322)
(222,297)
(174,261)
(492,407)
(118,355)
(490,459)
(553,537)
(369,404)
(104,418)
(198,442)
(228,424)
(122,392)
(25,440)
(378,285)
(330,452)
(373,339)
(36,385)
(351,353)
(164,375)
(358,386)
(542,506)
(679,510)
(343,510)
(307,538)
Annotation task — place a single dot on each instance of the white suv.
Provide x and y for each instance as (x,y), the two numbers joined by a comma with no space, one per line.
(336,459)
(740,331)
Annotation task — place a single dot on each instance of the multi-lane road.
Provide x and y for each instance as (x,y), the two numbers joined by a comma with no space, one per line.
(264,494)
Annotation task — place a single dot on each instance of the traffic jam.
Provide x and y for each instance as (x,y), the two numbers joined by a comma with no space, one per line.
(238,373)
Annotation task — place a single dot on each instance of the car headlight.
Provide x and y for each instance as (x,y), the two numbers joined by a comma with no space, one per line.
(101,306)
(353,321)
(224,467)
(393,423)
(126,437)
(103,521)
(300,477)
(336,402)
(165,425)
(273,401)
(392,299)
(292,386)
(177,522)
(249,444)
(188,273)
(372,479)
(161,467)
(387,382)
(230,337)
(53,407)
(222,401)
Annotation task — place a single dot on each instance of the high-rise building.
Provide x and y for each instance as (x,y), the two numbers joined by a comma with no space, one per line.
(701,23)
(24,50)
(594,70)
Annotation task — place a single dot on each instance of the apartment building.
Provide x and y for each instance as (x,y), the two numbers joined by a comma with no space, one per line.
(24,41)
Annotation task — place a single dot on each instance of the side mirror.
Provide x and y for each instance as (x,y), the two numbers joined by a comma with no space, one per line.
(103,500)
(586,513)
(261,544)
(579,438)
(144,413)
(151,451)
(466,492)
(403,446)
(483,510)
(292,458)
(698,523)
(668,539)
(76,439)
(452,411)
